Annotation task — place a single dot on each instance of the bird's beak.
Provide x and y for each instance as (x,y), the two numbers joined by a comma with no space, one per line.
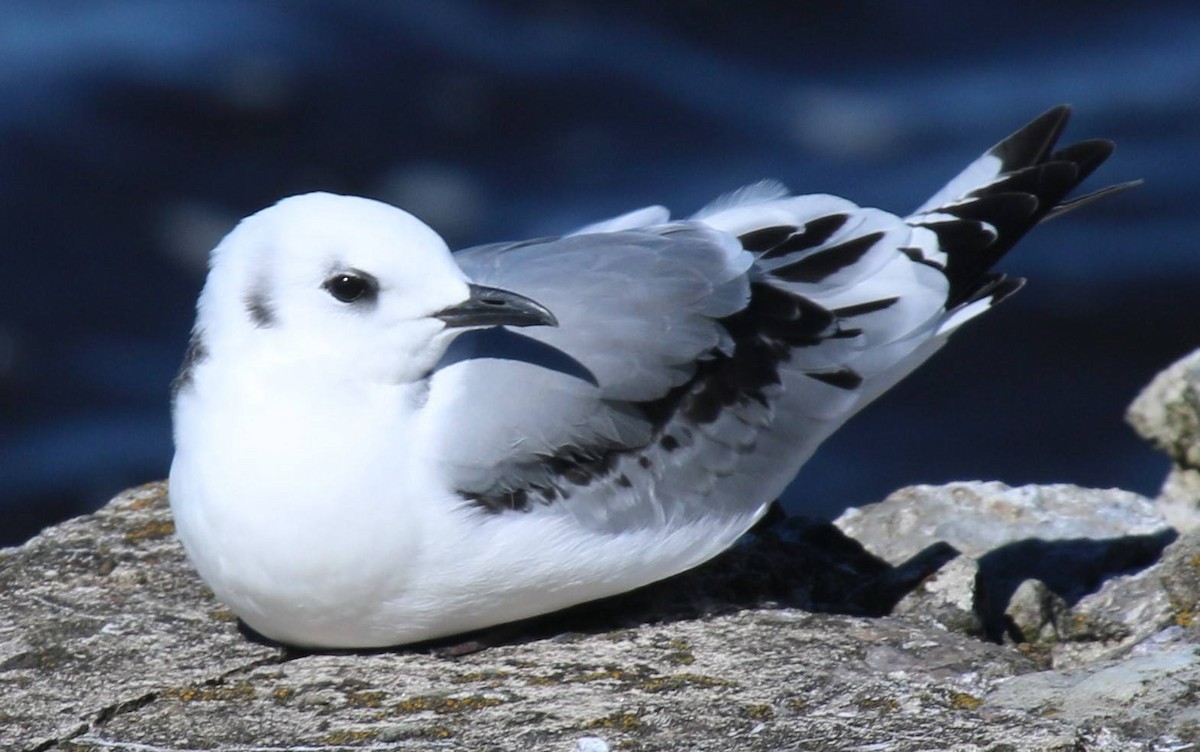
(491,306)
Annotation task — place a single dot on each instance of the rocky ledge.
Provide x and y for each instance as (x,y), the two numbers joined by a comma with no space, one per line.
(968,617)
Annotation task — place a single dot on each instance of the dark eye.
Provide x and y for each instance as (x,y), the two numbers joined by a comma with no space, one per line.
(351,287)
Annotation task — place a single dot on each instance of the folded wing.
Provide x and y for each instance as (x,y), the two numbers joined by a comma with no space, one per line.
(699,363)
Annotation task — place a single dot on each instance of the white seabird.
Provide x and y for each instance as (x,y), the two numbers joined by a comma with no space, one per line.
(366,456)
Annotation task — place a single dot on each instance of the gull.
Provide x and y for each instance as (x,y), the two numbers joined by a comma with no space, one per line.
(379,442)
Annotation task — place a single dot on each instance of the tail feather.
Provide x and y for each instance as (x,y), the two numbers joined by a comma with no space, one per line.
(1034,179)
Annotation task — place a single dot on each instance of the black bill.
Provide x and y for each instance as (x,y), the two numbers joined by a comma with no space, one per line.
(491,306)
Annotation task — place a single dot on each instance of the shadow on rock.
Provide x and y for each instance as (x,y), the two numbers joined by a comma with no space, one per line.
(1070,569)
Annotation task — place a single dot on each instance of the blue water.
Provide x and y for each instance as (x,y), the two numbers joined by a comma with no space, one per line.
(133,134)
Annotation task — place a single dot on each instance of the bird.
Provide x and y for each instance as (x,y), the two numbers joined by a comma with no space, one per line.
(379,442)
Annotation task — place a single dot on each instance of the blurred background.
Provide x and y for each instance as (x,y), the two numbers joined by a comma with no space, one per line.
(134,134)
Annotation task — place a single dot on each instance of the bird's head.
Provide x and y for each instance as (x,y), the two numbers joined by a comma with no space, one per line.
(356,287)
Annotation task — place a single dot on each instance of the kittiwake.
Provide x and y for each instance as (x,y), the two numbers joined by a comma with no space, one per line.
(370,453)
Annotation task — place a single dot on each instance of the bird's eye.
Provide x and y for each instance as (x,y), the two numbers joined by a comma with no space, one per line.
(351,287)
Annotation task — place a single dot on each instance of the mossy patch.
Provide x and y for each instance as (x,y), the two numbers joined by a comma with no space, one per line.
(682,681)
(871,702)
(443,705)
(240,692)
(222,615)
(964,701)
(679,652)
(618,721)
(150,531)
(365,699)
(758,711)
(475,677)
(156,498)
(349,737)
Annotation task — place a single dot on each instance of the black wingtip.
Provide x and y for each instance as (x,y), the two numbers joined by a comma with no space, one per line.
(1086,155)
(1075,203)
(1032,142)
(1030,165)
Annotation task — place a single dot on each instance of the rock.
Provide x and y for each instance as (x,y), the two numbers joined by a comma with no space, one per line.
(1180,498)
(1036,613)
(1180,578)
(1167,413)
(977,518)
(946,598)
(108,641)
(1060,543)
(1149,693)
(1127,610)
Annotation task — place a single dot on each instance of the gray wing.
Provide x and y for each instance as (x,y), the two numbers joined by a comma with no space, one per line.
(697,365)
(546,414)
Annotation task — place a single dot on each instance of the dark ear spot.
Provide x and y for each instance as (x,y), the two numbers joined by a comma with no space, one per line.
(259,308)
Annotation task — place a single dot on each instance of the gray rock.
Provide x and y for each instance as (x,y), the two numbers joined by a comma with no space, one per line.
(109,641)
(1126,611)
(1149,693)
(946,598)
(1167,413)
(977,518)
(1180,579)
(1037,613)
(1048,547)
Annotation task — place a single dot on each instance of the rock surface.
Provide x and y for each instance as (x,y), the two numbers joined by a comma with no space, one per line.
(1167,413)
(109,641)
(966,617)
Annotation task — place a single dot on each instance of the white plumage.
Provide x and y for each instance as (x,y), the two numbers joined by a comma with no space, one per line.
(366,457)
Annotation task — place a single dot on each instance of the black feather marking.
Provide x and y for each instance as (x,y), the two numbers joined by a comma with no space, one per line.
(917,256)
(1004,287)
(1045,180)
(962,236)
(510,500)
(1088,198)
(570,466)
(1086,155)
(763,240)
(580,466)
(778,315)
(773,323)
(815,233)
(997,287)
(1032,142)
(828,261)
(844,378)
(846,333)
(997,209)
(1048,182)
(859,309)
(764,333)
